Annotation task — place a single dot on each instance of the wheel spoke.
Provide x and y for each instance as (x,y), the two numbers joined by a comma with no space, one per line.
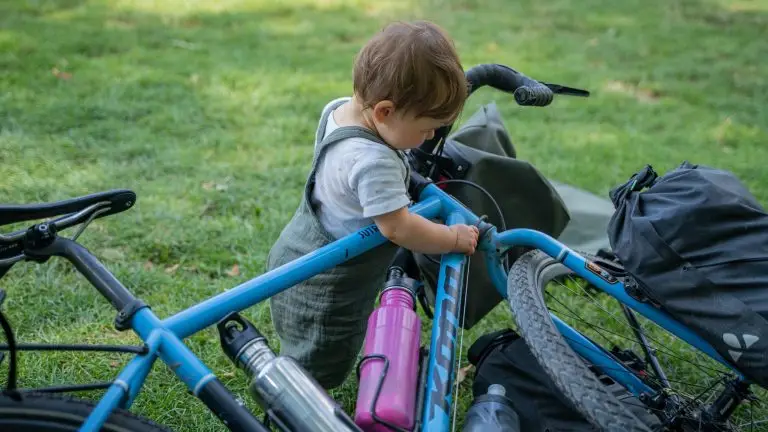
(695,381)
(652,379)
(714,376)
(573,315)
(615,318)
(641,328)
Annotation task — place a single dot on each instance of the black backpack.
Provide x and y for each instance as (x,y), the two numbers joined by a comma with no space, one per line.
(695,243)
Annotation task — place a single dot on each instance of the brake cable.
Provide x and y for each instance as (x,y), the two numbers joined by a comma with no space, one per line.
(88,221)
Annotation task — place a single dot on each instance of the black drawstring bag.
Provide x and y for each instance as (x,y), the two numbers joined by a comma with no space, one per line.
(695,243)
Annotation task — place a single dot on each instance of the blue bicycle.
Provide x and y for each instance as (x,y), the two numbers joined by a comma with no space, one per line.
(580,367)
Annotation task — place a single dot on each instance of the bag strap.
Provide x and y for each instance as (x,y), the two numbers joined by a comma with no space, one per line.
(646,177)
(649,233)
(486,343)
(344,132)
(697,278)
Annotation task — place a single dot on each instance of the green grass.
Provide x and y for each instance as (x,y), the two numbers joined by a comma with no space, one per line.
(207,110)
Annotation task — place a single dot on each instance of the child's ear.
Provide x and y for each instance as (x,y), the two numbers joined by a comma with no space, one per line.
(383,111)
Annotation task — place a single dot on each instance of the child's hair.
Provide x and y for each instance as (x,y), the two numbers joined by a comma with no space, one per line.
(414,65)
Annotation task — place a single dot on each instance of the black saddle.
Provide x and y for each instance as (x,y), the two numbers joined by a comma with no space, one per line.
(119,200)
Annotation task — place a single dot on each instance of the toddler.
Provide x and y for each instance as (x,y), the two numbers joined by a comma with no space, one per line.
(408,81)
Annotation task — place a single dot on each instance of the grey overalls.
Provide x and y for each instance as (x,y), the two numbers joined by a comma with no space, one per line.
(321,322)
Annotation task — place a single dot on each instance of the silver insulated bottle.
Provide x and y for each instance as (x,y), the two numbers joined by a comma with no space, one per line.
(294,401)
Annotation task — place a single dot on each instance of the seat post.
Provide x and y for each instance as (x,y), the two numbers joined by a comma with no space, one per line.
(93,270)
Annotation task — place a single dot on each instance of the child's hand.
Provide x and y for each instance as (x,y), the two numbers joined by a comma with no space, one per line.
(466,238)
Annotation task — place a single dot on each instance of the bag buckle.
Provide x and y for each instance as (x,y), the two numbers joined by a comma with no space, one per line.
(643,178)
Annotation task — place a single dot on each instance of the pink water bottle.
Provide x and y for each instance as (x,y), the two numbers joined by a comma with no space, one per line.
(392,341)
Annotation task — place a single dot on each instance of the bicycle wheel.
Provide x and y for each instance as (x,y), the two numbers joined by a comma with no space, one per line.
(57,413)
(538,285)
(568,371)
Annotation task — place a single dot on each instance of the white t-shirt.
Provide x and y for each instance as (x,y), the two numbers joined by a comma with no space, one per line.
(356,180)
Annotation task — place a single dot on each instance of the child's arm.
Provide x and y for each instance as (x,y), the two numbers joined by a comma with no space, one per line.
(377,178)
(415,233)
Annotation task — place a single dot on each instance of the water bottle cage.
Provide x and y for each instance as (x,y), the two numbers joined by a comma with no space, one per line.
(379,386)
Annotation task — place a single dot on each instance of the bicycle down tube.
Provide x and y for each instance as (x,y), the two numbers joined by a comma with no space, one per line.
(442,351)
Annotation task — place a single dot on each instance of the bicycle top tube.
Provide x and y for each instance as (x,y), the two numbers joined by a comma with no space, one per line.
(433,203)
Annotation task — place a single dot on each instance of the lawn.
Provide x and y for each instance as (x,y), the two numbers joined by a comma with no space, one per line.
(207,110)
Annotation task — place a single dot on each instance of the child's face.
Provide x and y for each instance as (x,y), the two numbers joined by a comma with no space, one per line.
(403,131)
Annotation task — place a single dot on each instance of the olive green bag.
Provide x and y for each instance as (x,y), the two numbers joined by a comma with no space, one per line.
(482,152)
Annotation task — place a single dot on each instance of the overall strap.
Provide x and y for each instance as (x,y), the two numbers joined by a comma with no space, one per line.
(320,133)
(345,132)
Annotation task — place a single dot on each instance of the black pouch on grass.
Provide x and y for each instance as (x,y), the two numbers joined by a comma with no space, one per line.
(503,358)
(696,243)
(482,147)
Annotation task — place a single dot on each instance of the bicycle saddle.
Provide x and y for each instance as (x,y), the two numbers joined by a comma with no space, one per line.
(118,199)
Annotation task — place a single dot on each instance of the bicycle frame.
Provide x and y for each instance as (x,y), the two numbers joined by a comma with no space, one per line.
(164,337)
